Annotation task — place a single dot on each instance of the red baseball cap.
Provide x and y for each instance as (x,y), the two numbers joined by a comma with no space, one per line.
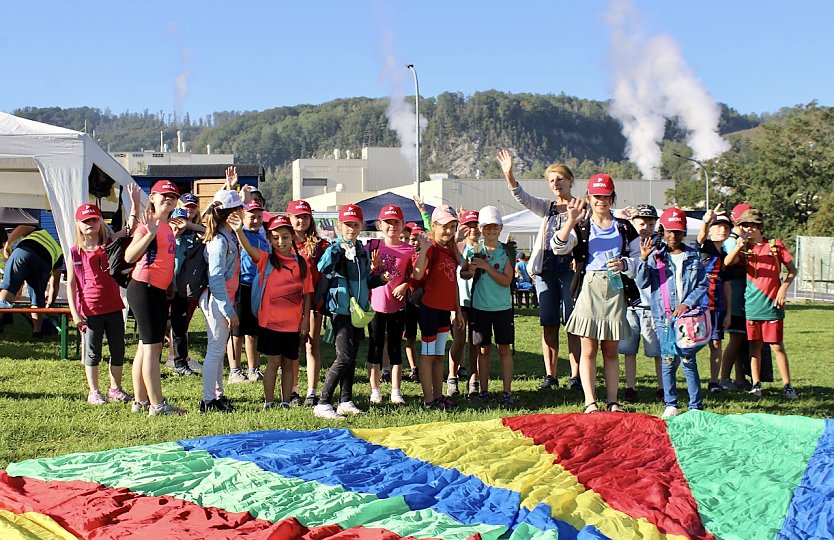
(279,221)
(410,225)
(87,211)
(600,184)
(350,212)
(673,219)
(165,186)
(392,211)
(738,210)
(469,215)
(253,205)
(299,208)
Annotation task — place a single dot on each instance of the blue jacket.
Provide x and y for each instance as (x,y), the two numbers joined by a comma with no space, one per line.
(347,278)
(694,281)
(248,269)
(222,254)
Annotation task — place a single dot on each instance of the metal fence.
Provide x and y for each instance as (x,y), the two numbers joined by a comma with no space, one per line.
(815,277)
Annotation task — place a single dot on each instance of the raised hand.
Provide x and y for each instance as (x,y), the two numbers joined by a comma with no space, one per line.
(134,191)
(234,221)
(646,248)
(178,225)
(575,209)
(231,177)
(149,220)
(425,242)
(419,203)
(505,159)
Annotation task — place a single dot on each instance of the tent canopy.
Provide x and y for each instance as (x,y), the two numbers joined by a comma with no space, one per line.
(371,207)
(49,167)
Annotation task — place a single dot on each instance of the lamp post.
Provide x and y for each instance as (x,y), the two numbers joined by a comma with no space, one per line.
(416,125)
(706,176)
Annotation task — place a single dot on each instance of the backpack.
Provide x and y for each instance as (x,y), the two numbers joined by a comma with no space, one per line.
(692,328)
(120,269)
(192,278)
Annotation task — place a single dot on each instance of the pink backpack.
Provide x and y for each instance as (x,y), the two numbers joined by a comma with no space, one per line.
(693,328)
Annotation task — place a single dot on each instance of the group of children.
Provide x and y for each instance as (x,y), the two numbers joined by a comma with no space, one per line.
(271,281)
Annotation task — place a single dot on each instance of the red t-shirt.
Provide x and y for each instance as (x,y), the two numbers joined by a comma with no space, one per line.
(283,299)
(440,282)
(98,292)
(157,265)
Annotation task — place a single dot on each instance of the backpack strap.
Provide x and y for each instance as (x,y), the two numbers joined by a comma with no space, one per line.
(664,287)
(78,270)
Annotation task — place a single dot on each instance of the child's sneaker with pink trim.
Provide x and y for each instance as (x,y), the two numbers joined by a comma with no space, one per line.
(117,394)
(95,398)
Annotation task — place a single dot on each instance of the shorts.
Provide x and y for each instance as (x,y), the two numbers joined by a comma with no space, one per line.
(111,325)
(467,312)
(150,309)
(25,265)
(248,322)
(412,316)
(434,330)
(273,343)
(555,301)
(386,328)
(717,324)
(642,323)
(738,325)
(486,323)
(766,331)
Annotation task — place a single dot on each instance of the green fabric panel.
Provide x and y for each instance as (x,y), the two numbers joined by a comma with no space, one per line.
(238,486)
(525,531)
(742,469)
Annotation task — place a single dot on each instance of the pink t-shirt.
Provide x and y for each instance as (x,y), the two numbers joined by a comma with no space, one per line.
(157,266)
(98,292)
(397,262)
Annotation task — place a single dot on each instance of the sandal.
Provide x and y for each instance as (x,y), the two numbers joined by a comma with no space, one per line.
(614,407)
(588,409)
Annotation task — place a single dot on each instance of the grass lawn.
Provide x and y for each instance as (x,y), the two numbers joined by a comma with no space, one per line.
(43,411)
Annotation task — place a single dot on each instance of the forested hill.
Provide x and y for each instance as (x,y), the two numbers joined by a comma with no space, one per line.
(462,136)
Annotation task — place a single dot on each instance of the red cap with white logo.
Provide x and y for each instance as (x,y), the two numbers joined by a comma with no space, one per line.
(600,184)
(165,186)
(87,211)
(469,216)
(673,219)
(279,221)
(350,212)
(299,208)
(391,211)
(253,205)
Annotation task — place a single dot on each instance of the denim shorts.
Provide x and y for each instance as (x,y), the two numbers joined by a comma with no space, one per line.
(642,323)
(555,302)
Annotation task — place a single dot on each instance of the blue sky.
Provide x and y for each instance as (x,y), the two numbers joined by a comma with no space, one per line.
(756,56)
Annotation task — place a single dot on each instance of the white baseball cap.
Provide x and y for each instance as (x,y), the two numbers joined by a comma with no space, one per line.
(489,215)
(226,199)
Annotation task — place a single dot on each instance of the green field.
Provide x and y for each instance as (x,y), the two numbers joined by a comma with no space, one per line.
(43,411)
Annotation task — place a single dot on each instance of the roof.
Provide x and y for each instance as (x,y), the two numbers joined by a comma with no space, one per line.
(202,171)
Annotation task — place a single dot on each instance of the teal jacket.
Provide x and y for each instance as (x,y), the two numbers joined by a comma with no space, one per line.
(347,278)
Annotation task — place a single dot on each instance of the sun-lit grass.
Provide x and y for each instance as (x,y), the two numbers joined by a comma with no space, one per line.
(43,411)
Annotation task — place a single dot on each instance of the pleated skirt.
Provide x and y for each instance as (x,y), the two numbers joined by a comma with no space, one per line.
(600,311)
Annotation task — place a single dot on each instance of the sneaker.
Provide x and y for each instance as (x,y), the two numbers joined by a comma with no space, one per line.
(463,373)
(713,388)
(269,405)
(726,385)
(548,382)
(744,386)
(194,365)
(630,396)
(386,375)
(789,392)
(237,377)
(6,305)
(670,411)
(311,401)
(376,397)
(326,411)
(659,395)
(348,408)
(575,384)
(295,399)
(185,371)
(507,399)
(255,376)
(756,390)
(212,405)
(473,389)
(117,394)
(224,402)
(139,406)
(284,405)
(483,397)
(95,398)
(413,375)
(452,387)
(446,401)
(397,398)
(165,409)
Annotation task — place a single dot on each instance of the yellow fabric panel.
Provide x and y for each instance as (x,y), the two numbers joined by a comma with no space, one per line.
(31,526)
(503,458)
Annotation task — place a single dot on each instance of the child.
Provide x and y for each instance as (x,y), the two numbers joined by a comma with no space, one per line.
(95,304)
(764,297)
(245,335)
(436,269)
(714,232)
(680,268)
(471,233)
(523,281)
(349,269)
(284,310)
(412,314)
(492,311)
(311,247)
(394,257)
(218,301)
(640,318)
(152,249)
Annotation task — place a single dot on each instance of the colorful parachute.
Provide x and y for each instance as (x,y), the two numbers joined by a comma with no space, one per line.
(698,476)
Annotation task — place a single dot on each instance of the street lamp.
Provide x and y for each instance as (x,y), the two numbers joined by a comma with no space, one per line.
(706,176)
(416,125)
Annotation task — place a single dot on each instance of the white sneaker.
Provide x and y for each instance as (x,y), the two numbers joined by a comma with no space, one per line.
(376,397)
(670,411)
(348,408)
(397,398)
(326,411)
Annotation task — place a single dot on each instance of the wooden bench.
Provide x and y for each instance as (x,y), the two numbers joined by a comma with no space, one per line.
(65,314)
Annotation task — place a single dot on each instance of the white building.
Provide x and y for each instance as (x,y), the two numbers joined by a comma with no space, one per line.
(136,163)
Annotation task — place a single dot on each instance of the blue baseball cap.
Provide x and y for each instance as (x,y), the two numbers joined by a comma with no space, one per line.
(179,213)
(189,198)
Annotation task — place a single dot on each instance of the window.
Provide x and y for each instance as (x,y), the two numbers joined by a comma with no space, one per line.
(314,182)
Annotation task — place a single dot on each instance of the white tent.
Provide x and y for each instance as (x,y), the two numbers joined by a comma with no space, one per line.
(48,167)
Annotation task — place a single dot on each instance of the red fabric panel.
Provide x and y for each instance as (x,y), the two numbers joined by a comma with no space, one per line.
(628,459)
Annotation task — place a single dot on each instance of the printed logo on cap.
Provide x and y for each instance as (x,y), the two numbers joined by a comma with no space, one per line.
(392,211)
(253,205)
(87,211)
(350,212)
(279,221)
(299,207)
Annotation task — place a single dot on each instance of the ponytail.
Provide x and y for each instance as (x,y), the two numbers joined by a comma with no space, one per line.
(302,263)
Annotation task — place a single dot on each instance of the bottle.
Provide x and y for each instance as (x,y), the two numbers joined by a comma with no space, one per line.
(615,280)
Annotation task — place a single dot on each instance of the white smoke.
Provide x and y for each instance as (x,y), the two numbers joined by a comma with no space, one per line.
(401,113)
(181,79)
(652,82)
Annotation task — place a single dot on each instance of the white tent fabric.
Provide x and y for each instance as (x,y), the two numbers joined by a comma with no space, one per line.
(44,166)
